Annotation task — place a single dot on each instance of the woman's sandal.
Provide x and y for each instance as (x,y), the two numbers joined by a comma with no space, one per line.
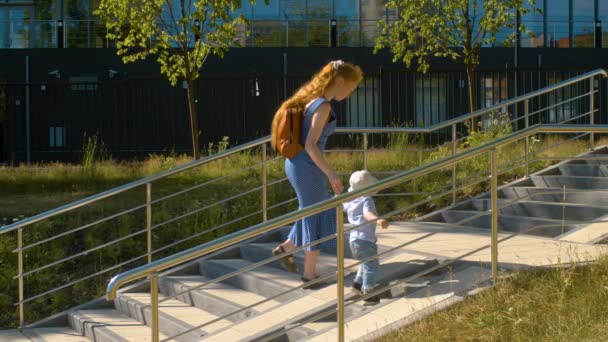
(314,286)
(286,260)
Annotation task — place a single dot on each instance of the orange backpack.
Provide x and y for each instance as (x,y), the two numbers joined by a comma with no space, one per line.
(288,133)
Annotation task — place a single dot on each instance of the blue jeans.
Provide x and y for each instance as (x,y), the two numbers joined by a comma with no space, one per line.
(366,274)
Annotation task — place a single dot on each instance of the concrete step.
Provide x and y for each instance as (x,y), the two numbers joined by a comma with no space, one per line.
(382,318)
(547,210)
(174,316)
(603,154)
(570,182)
(110,325)
(13,335)
(235,299)
(265,281)
(52,334)
(273,322)
(510,223)
(597,198)
(326,263)
(218,298)
(590,233)
(588,170)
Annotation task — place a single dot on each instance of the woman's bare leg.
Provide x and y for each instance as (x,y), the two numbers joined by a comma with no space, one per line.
(288,245)
(310,264)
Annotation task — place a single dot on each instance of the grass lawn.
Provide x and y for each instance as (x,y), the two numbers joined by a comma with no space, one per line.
(27,191)
(567,304)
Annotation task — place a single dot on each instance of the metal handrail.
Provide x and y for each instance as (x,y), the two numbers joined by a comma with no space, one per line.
(154,268)
(134,184)
(478,112)
(266,139)
(262,143)
(256,230)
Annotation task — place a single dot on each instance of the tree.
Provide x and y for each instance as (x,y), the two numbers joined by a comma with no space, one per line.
(181,34)
(455,29)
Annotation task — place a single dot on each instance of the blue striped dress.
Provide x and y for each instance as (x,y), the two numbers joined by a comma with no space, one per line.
(310,184)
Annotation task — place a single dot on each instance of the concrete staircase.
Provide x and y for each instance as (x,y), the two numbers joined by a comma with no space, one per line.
(437,237)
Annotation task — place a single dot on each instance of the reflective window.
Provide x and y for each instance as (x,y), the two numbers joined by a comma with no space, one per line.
(319,9)
(534,24)
(293,9)
(14,31)
(57,137)
(270,11)
(431,101)
(557,23)
(560,111)
(493,89)
(346,9)
(363,106)
(583,25)
(602,12)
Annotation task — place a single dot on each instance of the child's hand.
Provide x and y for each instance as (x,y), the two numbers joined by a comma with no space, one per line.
(383,223)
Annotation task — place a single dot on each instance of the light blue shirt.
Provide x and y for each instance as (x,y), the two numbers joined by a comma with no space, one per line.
(355,209)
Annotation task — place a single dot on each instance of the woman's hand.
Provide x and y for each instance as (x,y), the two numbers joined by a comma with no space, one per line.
(383,223)
(336,183)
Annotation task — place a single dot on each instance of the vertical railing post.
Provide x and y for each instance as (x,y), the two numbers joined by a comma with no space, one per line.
(563,208)
(592,109)
(154,301)
(454,142)
(364,151)
(527,141)
(264,184)
(494,200)
(20,274)
(149,220)
(287,34)
(340,271)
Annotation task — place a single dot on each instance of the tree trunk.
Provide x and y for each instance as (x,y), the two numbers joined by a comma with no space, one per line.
(472,95)
(193,109)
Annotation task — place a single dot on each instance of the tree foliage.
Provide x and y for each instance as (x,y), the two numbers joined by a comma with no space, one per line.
(454,29)
(181,34)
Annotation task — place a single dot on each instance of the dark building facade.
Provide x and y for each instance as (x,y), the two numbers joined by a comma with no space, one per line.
(61,82)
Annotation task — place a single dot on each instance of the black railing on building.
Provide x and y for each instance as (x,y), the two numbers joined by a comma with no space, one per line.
(136,117)
(25,33)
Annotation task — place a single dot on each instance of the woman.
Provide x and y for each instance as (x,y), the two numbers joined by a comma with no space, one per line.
(307,171)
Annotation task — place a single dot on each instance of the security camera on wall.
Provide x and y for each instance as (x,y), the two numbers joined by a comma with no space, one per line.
(55,73)
(112,73)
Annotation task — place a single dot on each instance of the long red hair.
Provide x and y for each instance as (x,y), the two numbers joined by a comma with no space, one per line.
(315,88)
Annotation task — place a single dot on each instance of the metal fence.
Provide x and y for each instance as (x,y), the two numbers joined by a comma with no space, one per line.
(136,117)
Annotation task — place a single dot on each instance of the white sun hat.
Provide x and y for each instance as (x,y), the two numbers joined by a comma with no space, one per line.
(361,179)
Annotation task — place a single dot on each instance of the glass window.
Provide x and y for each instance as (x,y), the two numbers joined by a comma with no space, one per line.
(372,9)
(431,102)
(271,11)
(558,16)
(583,10)
(583,25)
(363,106)
(319,9)
(349,33)
(57,137)
(80,27)
(493,90)
(293,9)
(533,22)
(346,9)
(12,28)
(562,112)
(602,12)
(268,33)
